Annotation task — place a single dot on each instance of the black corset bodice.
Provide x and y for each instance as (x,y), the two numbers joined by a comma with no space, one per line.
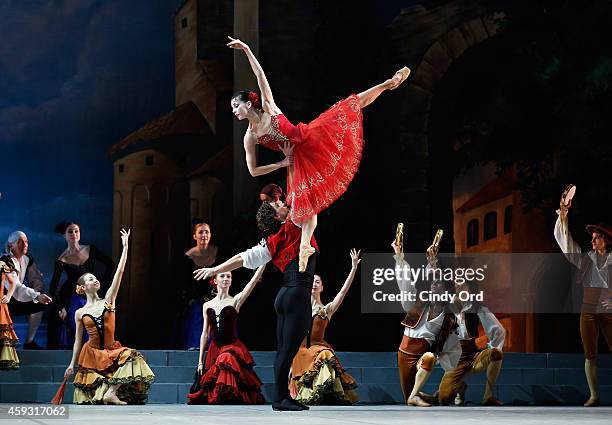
(75,271)
(222,331)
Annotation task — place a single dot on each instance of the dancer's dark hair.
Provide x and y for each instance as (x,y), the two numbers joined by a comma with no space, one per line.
(266,220)
(62,226)
(248,96)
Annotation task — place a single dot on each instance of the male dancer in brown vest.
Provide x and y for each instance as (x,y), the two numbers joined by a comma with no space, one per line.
(452,385)
(429,332)
(595,271)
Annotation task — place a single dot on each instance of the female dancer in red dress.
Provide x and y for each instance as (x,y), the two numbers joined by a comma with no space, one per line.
(322,156)
(227,375)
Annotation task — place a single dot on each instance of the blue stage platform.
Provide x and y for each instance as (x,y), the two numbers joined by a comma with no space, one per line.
(526,379)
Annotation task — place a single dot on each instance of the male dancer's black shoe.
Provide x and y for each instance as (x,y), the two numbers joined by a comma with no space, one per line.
(286,405)
(297,403)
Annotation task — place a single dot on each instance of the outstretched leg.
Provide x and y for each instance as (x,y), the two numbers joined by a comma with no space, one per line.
(306,250)
(371,94)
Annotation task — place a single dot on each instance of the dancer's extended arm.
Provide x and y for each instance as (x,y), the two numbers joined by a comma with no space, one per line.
(565,241)
(267,101)
(251,259)
(111,294)
(402,276)
(333,306)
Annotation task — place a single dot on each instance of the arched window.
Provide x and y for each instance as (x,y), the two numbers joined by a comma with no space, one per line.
(490,225)
(472,233)
(508,219)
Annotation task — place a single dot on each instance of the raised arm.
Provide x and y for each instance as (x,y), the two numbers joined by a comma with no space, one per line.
(267,101)
(203,338)
(78,343)
(111,294)
(242,296)
(333,306)
(404,283)
(251,157)
(564,238)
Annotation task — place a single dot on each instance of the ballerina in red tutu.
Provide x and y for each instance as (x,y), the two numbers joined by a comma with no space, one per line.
(322,156)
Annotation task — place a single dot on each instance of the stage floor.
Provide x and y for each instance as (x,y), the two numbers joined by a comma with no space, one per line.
(324,415)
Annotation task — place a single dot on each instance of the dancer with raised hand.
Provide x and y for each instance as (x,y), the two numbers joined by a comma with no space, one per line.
(317,376)
(108,372)
(594,272)
(292,303)
(322,156)
(226,370)
(429,329)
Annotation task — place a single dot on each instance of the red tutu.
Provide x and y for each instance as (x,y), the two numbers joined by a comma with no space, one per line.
(326,156)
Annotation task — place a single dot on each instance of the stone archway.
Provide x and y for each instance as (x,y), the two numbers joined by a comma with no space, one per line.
(432,39)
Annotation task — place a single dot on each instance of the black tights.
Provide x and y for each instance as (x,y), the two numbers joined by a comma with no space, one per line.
(293,316)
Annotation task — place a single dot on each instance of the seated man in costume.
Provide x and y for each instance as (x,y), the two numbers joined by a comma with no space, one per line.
(469,316)
(27,299)
(429,332)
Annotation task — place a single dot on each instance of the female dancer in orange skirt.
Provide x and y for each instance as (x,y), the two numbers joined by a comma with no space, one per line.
(108,372)
(317,376)
(8,338)
(322,156)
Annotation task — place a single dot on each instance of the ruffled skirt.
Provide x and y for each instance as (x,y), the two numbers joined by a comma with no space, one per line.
(128,369)
(8,341)
(317,377)
(228,377)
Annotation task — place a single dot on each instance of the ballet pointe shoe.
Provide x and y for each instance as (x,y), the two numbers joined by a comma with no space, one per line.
(417,401)
(110,397)
(592,402)
(305,252)
(399,77)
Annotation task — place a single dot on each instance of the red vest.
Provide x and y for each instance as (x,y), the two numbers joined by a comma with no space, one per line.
(284,245)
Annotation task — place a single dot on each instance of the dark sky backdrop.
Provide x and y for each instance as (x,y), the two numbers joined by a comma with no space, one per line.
(76,76)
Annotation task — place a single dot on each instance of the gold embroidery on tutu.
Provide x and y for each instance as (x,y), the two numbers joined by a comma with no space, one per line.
(274,133)
(345,136)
